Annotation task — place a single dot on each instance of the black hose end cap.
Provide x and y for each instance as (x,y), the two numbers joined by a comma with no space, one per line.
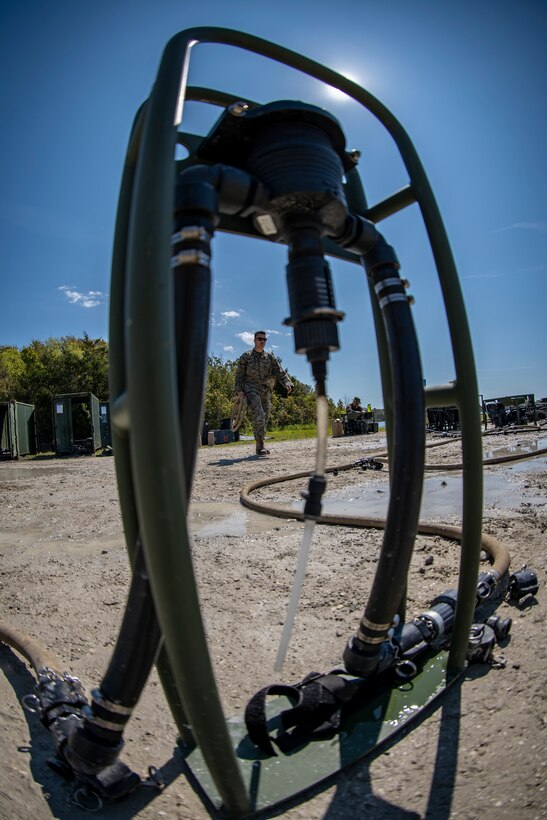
(316,488)
(522,583)
(501,626)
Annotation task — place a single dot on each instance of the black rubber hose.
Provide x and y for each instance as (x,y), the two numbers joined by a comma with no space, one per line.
(137,644)
(362,654)
(192,300)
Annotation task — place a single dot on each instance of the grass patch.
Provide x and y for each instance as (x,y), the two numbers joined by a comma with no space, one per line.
(293,431)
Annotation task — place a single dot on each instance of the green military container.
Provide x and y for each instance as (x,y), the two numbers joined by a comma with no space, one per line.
(17,429)
(76,423)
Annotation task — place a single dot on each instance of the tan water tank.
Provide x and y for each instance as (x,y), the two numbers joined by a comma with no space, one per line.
(337,428)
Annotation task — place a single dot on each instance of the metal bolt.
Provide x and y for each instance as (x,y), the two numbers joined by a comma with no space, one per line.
(238,109)
(405,283)
(411,299)
(354,155)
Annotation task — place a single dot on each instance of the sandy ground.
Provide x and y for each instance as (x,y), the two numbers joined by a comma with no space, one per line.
(480,753)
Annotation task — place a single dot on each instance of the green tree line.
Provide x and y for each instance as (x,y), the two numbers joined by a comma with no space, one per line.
(41,370)
(68,364)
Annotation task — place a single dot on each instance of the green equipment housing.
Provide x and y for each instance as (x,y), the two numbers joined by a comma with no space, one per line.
(76,423)
(17,429)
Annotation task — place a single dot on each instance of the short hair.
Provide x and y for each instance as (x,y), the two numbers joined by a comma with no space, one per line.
(260,331)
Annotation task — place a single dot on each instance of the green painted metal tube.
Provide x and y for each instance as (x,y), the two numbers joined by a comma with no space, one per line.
(394,203)
(156,461)
(120,412)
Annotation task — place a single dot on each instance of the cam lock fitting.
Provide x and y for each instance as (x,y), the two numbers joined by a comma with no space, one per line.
(482,641)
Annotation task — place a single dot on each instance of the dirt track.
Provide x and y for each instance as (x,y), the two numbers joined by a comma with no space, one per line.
(65,576)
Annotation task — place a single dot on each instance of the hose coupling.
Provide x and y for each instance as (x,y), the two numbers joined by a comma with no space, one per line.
(363,660)
(380,256)
(487,583)
(369,464)
(482,640)
(426,628)
(89,754)
(316,488)
(59,696)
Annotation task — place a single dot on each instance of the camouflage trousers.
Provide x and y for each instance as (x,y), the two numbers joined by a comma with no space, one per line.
(259,402)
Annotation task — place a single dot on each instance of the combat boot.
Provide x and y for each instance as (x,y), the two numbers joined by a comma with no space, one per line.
(260,449)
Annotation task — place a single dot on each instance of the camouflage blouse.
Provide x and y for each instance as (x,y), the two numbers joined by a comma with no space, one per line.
(259,370)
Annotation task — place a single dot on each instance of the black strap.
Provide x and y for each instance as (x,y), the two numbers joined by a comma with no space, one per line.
(315,713)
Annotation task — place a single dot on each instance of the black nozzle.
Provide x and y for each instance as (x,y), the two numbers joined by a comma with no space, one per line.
(311,295)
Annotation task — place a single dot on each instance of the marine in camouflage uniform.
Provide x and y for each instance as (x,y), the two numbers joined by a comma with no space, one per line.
(256,375)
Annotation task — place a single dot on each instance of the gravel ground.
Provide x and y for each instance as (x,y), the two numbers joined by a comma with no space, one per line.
(65,575)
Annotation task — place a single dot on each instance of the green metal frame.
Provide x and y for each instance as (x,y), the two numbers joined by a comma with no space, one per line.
(143,387)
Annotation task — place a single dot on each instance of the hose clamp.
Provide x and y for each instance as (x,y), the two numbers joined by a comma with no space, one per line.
(390,282)
(117,708)
(190,257)
(393,297)
(194,233)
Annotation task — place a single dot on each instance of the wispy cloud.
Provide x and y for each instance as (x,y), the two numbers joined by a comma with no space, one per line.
(228,348)
(91,299)
(248,338)
(225,317)
(519,272)
(541,227)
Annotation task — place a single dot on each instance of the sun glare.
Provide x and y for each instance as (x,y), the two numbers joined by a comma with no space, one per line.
(335,93)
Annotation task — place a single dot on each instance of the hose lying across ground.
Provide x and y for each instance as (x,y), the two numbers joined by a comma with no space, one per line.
(497,551)
(39,658)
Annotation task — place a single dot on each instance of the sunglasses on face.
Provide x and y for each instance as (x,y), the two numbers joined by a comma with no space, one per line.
(260,338)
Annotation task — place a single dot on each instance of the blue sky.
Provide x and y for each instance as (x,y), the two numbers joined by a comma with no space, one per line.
(467,80)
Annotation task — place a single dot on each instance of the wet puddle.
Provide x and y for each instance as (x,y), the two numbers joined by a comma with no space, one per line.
(13,473)
(442,495)
(209,519)
(520,448)
(45,541)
